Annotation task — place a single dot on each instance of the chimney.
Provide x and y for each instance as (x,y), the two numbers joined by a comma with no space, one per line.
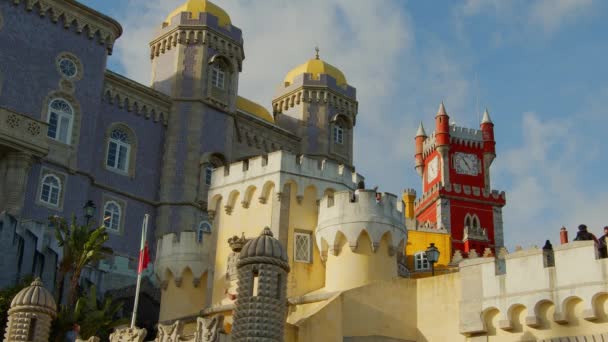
(563,235)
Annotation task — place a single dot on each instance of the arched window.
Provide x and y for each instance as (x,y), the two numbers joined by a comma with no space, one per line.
(476,222)
(119,149)
(421,263)
(60,117)
(338,134)
(203,228)
(111,215)
(51,189)
(218,75)
(467,221)
(208,173)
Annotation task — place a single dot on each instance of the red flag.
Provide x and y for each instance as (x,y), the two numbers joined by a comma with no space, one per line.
(144,259)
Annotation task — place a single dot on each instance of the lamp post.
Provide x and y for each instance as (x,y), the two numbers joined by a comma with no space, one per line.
(89,210)
(432,255)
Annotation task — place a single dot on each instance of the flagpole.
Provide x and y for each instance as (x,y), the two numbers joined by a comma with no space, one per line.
(144,231)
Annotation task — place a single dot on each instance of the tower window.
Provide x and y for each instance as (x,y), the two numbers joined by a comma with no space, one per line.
(338,135)
(255,286)
(217,77)
(112,215)
(421,263)
(119,148)
(51,189)
(208,174)
(203,228)
(60,116)
(303,247)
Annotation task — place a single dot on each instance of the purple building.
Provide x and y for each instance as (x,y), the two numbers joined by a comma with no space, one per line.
(73,132)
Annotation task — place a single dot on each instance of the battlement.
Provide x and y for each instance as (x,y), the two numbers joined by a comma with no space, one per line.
(464,133)
(254,178)
(530,278)
(428,145)
(177,252)
(352,214)
(472,192)
(409,192)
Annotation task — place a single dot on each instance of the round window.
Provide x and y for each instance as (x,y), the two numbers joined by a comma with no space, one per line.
(68,68)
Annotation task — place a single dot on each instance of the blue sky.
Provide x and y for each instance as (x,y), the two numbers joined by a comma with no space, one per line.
(539,66)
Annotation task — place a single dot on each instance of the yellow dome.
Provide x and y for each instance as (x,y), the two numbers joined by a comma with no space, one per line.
(316,67)
(196,7)
(254,109)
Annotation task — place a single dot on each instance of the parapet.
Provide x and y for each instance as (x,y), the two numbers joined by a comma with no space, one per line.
(464,133)
(473,192)
(409,192)
(177,252)
(351,215)
(275,170)
(527,278)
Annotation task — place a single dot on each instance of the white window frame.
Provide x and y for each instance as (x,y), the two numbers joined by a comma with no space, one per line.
(51,188)
(204,227)
(308,237)
(61,115)
(119,144)
(420,258)
(107,222)
(338,135)
(218,77)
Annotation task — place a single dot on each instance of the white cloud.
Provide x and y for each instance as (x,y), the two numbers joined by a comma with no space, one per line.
(551,174)
(550,14)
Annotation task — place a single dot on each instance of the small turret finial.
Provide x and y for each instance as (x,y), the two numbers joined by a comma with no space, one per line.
(441,110)
(316,52)
(486,117)
(421,132)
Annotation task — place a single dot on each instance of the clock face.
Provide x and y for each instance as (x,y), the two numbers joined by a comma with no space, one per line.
(466,164)
(432,169)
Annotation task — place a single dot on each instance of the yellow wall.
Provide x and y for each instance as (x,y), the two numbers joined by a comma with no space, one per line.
(250,221)
(419,241)
(304,277)
(185,300)
(351,269)
(409,205)
(438,307)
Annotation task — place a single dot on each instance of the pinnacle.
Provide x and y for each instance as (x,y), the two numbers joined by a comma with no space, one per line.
(486,117)
(421,132)
(441,110)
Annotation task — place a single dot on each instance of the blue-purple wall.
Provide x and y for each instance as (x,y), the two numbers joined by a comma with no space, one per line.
(30,74)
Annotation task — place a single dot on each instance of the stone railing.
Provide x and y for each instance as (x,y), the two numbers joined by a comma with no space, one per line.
(22,132)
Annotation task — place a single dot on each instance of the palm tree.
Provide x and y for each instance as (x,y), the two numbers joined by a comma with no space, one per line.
(82,246)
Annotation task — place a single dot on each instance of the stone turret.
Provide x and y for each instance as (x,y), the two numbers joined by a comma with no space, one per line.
(261,307)
(31,313)
(372,225)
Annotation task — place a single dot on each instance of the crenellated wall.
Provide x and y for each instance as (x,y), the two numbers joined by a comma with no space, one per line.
(372,225)
(521,294)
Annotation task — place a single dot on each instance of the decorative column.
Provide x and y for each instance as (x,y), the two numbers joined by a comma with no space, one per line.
(18,166)
(31,313)
(261,306)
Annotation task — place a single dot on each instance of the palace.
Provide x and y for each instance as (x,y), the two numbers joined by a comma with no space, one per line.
(262,229)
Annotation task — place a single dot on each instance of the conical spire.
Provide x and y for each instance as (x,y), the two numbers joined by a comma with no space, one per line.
(441,110)
(421,132)
(486,117)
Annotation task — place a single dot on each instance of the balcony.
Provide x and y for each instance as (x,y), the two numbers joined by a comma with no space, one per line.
(22,133)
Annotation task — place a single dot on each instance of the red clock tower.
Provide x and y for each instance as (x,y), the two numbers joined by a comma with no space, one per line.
(454,163)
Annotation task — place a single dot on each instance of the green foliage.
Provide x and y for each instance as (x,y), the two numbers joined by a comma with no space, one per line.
(82,246)
(96,318)
(6,297)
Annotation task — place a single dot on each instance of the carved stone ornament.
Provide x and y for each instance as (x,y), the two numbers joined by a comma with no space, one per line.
(236,243)
(208,329)
(168,332)
(128,335)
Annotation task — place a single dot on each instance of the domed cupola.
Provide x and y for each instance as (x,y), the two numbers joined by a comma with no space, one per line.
(264,247)
(196,7)
(316,67)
